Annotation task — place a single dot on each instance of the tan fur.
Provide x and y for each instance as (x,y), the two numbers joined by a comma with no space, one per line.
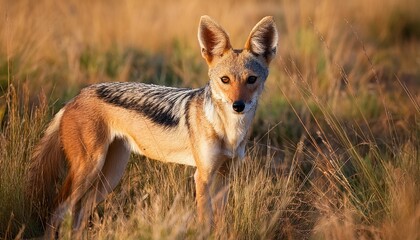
(96,133)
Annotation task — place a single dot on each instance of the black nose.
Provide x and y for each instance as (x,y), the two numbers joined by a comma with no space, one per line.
(238,106)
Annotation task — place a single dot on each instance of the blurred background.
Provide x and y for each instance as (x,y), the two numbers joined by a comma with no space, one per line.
(345,86)
(60,46)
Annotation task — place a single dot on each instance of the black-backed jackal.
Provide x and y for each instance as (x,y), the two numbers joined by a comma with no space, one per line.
(205,128)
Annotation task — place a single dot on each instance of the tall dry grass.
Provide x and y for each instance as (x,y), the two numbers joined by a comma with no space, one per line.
(334,151)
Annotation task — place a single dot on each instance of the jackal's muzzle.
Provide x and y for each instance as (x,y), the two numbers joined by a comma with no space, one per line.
(238,106)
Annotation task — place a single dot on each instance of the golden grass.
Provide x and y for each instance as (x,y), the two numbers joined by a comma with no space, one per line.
(334,153)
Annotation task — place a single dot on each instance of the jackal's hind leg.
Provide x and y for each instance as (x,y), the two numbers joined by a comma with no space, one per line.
(115,163)
(76,193)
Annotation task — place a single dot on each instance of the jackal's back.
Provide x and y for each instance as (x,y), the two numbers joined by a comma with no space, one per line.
(162,105)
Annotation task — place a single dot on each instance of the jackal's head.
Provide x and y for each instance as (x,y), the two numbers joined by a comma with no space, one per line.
(237,76)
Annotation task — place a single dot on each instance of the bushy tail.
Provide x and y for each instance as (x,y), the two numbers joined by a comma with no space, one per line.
(46,166)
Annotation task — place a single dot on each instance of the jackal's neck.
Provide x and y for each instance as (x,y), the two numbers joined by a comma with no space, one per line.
(230,127)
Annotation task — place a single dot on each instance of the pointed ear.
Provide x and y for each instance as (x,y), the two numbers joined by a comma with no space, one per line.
(262,40)
(214,41)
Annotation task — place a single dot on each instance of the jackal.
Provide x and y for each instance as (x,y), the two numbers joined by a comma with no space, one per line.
(206,128)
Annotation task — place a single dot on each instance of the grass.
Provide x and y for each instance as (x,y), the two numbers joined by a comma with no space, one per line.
(334,151)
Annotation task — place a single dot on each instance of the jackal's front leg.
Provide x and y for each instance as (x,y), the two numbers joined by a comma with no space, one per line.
(203,197)
(219,191)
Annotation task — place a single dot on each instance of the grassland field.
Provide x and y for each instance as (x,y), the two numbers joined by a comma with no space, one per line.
(335,147)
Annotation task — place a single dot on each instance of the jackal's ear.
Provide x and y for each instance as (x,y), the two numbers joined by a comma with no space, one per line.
(262,40)
(214,41)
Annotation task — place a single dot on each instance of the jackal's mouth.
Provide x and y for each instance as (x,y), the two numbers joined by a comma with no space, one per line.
(238,113)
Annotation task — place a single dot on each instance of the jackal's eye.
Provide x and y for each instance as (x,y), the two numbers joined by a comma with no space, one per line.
(225,79)
(251,79)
